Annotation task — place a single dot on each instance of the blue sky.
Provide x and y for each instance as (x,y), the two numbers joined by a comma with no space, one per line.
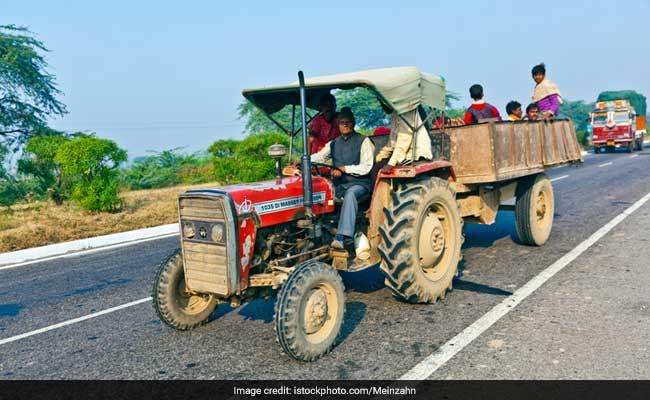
(154,75)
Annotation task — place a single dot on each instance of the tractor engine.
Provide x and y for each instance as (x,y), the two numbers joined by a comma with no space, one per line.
(235,232)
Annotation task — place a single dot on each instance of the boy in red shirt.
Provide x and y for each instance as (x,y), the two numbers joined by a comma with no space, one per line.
(479,109)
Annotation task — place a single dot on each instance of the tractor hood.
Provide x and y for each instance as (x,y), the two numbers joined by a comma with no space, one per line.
(274,202)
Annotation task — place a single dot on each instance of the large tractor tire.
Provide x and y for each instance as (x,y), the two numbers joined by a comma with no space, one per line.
(421,239)
(174,304)
(534,210)
(309,311)
(639,144)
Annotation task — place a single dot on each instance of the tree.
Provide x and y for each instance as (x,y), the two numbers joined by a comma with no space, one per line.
(28,92)
(245,160)
(578,111)
(91,163)
(10,189)
(38,162)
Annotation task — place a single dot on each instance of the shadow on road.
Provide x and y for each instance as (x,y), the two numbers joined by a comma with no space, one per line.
(460,284)
(477,235)
(355,311)
(256,310)
(367,281)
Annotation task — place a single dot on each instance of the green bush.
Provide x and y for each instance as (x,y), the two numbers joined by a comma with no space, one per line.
(90,164)
(167,168)
(246,160)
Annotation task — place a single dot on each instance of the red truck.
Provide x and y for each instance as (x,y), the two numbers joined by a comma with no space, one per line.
(619,120)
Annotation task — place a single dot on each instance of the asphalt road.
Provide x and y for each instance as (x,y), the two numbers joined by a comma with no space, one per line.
(588,321)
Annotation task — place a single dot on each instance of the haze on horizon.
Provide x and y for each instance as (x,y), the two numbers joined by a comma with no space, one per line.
(159,75)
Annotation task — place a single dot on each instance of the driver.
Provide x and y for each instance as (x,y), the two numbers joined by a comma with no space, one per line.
(352,156)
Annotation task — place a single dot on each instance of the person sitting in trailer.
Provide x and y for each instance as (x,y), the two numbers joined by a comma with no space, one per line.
(324,127)
(532,112)
(480,110)
(513,109)
(399,149)
(546,93)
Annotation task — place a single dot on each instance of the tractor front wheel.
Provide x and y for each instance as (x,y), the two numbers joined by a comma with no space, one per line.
(174,303)
(309,311)
(421,239)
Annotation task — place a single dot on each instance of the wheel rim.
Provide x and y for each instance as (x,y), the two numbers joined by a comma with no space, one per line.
(435,240)
(319,312)
(190,303)
(542,207)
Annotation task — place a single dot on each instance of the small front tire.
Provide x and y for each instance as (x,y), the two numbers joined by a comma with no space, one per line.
(309,311)
(175,305)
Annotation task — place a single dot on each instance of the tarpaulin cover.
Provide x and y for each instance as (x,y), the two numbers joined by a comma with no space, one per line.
(637,100)
(403,88)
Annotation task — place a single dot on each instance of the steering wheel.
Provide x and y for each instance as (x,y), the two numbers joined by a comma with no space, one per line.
(315,166)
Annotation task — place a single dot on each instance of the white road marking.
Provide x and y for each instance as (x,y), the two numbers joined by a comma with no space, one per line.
(634,155)
(84,252)
(73,321)
(559,178)
(606,164)
(437,359)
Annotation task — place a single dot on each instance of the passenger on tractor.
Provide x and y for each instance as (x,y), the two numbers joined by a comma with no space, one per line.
(399,149)
(532,112)
(352,156)
(513,109)
(546,93)
(480,110)
(324,127)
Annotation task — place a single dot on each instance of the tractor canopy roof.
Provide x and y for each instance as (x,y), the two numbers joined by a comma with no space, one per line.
(402,88)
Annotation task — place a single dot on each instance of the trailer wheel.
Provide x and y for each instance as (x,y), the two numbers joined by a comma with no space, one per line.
(174,304)
(534,210)
(421,239)
(309,311)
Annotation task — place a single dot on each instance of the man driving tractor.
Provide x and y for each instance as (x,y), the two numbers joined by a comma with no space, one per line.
(351,155)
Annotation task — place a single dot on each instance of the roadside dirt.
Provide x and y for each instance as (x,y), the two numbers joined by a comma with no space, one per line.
(41,222)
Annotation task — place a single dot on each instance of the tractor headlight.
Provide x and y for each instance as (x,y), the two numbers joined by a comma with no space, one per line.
(188,230)
(217,233)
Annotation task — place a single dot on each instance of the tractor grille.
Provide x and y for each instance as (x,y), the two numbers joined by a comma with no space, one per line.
(206,260)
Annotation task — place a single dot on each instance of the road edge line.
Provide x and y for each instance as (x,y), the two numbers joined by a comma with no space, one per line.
(72,321)
(447,351)
(75,247)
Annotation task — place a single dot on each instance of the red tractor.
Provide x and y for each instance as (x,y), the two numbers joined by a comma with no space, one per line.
(256,240)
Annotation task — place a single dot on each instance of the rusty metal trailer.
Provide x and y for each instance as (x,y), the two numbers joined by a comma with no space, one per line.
(495,161)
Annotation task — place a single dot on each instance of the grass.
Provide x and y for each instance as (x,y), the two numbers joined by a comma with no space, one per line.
(41,222)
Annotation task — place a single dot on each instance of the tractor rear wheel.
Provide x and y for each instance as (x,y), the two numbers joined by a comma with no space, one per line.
(309,311)
(177,306)
(421,239)
(534,210)
(639,144)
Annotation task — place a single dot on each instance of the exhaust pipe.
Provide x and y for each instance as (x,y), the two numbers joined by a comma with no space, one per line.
(305,160)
